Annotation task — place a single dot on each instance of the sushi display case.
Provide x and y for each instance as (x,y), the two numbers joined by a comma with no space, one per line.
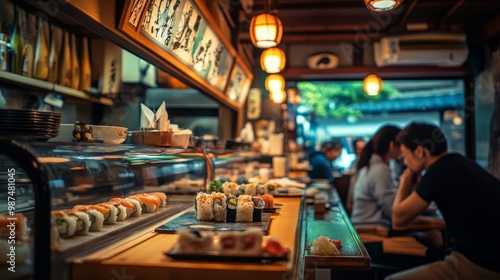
(78,197)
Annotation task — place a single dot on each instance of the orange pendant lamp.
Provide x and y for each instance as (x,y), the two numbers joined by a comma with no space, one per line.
(266,30)
(273,60)
(372,84)
(382,5)
(275,82)
(278,96)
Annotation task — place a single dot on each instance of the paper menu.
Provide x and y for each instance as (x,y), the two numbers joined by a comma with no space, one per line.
(154,121)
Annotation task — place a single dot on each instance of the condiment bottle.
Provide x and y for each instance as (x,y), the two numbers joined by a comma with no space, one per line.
(75,65)
(85,68)
(41,60)
(65,63)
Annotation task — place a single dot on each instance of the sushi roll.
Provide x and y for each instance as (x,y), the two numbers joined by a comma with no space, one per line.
(82,222)
(258,208)
(129,206)
(191,241)
(121,213)
(241,189)
(66,225)
(204,207)
(232,204)
(244,210)
(137,211)
(161,196)
(229,243)
(95,213)
(111,215)
(250,189)
(268,200)
(271,187)
(229,188)
(251,241)
(219,207)
(149,203)
(260,188)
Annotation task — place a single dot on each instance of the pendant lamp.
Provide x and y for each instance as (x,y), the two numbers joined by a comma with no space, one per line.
(266,30)
(274,82)
(273,60)
(372,84)
(278,96)
(382,5)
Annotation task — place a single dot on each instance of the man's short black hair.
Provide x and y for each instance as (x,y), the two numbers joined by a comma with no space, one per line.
(333,144)
(423,134)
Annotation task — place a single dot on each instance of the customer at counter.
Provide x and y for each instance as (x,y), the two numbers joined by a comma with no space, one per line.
(321,161)
(466,195)
(374,190)
(358,145)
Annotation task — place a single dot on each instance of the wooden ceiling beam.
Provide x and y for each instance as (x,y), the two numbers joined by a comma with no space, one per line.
(356,73)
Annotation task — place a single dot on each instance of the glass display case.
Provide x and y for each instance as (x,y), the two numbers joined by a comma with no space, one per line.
(42,182)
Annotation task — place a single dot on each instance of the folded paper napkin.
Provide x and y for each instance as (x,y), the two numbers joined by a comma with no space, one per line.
(152,121)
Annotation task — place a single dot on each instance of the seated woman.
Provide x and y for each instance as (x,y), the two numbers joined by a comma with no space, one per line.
(374,190)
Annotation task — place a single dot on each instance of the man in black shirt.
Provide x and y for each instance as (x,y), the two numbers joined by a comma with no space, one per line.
(467,195)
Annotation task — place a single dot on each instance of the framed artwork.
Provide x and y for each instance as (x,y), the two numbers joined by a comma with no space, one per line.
(160,20)
(239,82)
(183,34)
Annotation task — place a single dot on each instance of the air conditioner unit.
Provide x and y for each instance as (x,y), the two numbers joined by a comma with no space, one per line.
(437,49)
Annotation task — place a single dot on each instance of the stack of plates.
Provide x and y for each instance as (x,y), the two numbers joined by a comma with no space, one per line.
(29,124)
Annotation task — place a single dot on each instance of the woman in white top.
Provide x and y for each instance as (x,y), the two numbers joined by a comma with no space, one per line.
(374,190)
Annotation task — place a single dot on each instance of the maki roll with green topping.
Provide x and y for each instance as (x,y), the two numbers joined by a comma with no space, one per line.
(232,204)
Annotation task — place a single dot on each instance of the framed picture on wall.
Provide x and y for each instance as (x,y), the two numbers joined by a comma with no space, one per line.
(239,82)
(160,20)
(185,36)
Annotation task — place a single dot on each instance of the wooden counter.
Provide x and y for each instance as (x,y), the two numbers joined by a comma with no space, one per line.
(142,255)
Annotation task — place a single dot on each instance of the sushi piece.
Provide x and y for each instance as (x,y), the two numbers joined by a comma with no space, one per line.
(66,225)
(130,208)
(241,189)
(268,200)
(161,196)
(229,188)
(244,210)
(149,203)
(250,189)
(82,221)
(258,208)
(121,213)
(137,212)
(271,187)
(111,215)
(232,204)
(95,213)
(260,188)
(229,243)
(204,207)
(219,207)
(191,241)
(251,241)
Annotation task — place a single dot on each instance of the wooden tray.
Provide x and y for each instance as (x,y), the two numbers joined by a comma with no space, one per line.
(188,221)
(176,254)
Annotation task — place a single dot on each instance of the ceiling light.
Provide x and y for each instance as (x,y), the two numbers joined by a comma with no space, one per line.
(266,30)
(278,96)
(273,60)
(382,5)
(274,82)
(372,84)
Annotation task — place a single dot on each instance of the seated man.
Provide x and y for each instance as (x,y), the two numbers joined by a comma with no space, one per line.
(321,161)
(467,196)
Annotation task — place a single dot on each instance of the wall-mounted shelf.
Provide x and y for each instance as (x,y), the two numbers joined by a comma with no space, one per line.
(32,83)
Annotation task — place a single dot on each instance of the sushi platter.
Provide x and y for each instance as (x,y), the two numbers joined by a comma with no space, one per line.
(188,221)
(176,254)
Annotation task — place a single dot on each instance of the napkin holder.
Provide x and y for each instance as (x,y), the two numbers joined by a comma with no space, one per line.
(152,138)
